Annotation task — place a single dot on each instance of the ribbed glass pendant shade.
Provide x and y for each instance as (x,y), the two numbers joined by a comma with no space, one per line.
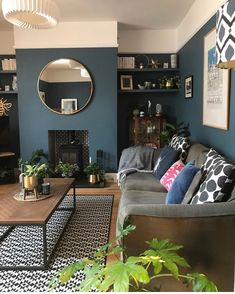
(33,14)
(225,35)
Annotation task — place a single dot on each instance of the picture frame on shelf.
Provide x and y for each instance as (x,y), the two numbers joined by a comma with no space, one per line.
(126,82)
(215,87)
(188,87)
(69,105)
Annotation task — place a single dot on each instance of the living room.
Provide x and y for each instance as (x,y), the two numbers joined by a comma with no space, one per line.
(95,41)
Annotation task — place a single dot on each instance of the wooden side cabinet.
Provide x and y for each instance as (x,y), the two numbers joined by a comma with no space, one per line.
(146,130)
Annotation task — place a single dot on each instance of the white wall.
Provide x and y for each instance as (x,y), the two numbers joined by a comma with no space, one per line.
(148,41)
(69,35)
(104,34)
(7,42)
(200,12)
(169,41)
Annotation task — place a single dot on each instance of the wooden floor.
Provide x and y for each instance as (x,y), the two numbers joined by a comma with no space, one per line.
(110,188)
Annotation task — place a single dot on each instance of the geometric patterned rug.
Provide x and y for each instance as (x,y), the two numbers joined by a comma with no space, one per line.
(88,229)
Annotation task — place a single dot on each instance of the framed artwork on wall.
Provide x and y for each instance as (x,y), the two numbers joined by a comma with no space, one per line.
(188,87)
(215,87)
(69,105)
(126,82)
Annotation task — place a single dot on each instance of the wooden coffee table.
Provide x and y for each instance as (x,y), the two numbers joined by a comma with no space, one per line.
(15,213)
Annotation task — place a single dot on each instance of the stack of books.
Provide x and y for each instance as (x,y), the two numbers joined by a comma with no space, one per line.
(126,62)
(9,64)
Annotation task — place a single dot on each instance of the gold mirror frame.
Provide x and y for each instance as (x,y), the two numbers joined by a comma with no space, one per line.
(71,103)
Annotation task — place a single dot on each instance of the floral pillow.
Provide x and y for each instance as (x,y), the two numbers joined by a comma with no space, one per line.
(169,177)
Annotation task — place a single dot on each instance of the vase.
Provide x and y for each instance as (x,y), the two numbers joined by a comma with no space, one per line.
(30,182)
(93,179)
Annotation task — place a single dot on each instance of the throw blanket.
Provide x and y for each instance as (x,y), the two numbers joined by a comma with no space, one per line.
(133,159)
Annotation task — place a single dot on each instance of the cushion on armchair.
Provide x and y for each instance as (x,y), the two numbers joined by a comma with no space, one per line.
(181,144)
(167,157)
(181,184)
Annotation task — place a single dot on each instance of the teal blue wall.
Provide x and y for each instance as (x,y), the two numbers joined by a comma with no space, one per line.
(190,110)
(99,118)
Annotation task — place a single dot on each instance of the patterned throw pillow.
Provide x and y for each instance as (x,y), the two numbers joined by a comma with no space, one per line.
(218,183)
(211,159)
(181,144)
(171,174)
(181,184)
(167,157)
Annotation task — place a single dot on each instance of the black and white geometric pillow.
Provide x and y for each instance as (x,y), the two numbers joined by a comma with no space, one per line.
(211,159)
(181,144)
(217,185)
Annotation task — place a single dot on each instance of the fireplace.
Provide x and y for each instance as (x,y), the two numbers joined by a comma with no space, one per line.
(69,146)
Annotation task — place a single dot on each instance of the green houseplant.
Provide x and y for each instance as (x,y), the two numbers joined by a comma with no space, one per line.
(94,171)
(174,129)
(34,175)
(66,169)
(134,273)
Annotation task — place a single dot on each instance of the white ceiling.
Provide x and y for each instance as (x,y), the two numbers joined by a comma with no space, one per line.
(130,14)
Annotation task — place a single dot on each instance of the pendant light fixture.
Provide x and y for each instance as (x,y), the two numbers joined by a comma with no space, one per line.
(31,14)
(225,35)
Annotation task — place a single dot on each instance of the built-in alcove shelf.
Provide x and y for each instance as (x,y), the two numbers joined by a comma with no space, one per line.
(148,69)
(8,92)
(7,154)
(149,91)
(7,71)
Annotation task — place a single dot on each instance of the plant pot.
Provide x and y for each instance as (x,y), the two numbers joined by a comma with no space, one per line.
(93,179)
(30,182)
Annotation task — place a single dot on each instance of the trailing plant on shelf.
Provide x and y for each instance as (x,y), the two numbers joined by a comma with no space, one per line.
(134,273)
(66,169)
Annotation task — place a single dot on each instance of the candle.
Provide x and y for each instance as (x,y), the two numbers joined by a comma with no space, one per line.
(90,159)
(46,188)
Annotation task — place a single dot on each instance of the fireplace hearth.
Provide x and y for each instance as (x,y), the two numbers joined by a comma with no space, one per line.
(69,146)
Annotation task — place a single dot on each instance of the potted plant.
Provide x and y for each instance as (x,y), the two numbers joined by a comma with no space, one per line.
(66,169)
(94,172)
(172,129)
(33,175)
(133,273)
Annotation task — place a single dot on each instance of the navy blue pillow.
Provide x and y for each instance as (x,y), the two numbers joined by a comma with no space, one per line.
(167,157)
(181,184)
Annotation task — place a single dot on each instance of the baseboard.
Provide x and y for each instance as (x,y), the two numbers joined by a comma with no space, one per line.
(111,177)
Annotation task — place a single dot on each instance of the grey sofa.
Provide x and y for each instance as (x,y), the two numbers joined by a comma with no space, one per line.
(206,231)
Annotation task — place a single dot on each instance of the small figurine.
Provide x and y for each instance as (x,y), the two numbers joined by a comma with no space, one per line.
(154,63)
(149,108)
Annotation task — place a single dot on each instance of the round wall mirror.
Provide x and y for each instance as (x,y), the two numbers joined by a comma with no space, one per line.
(65,86)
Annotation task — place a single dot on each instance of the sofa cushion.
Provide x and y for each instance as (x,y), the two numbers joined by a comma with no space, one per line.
(181,184)
(193,188)
(218,183)
(211,159)
(167,157)
(181,144)
(143,181)
(197,152)
(137,198)
(170,175)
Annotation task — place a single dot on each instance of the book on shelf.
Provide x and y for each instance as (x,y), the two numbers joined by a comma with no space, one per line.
(8,64)
(126,62)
